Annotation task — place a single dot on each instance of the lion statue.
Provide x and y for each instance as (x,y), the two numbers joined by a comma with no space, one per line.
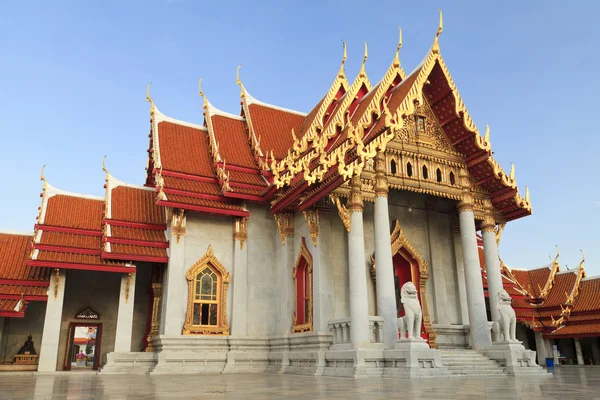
(411,322)
(506,327)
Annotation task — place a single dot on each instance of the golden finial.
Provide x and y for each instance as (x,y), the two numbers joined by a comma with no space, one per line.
(557,253)
(512,172)
(238,81)
(582,259)
(200,90)
(527,194)
(149,100)
(42,178)
(436,44)
(397,55)
(345,56)
(486,137)
(294,135)
(362,68)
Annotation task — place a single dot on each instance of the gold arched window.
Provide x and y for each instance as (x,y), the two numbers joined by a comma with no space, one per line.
(207,297)
(302,320)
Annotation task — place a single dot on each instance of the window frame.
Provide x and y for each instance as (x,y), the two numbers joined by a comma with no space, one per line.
(304,262)
(223,277)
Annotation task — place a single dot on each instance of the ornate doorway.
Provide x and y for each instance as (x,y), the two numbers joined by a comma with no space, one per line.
(83,346)
(409,266)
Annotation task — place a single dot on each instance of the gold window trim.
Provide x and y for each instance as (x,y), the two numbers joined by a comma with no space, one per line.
(303,254)
(222,327)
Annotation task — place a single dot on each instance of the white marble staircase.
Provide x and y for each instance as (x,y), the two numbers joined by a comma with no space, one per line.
(467,362)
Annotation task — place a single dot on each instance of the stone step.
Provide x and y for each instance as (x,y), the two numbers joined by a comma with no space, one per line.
(466,362)
(473,365)
(465,368)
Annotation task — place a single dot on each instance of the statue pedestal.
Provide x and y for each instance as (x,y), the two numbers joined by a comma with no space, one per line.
(412,358)
(515,358)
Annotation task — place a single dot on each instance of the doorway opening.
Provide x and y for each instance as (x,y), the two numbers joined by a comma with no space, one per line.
(83,346)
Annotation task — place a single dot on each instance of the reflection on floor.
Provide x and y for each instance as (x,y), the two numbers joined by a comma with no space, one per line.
(566,383)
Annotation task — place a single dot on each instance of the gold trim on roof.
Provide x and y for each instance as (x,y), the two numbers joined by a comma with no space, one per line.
(580,275)
(550,282)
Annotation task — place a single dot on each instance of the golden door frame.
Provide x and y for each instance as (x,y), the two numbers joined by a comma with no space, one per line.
(401,245)
(223,327)
(303,254)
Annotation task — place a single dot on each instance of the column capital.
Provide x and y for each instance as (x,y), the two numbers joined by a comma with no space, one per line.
(466,202)
(489,223)
(356,200)
(381,182)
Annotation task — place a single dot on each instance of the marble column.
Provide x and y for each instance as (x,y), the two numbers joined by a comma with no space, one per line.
(595,350)
(240,277)
(460,274)
(359,310)
(578,351)
(384,270)
(436,266)
(125,314)
(492,260)
(175,284)
(52,322)
(541,349)
(479,330)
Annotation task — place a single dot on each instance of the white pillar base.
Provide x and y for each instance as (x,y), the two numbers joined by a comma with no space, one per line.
(515,358)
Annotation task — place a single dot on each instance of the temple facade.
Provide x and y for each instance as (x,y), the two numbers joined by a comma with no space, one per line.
(282,241)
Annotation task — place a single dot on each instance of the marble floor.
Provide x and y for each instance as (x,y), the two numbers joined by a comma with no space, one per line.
(565,383)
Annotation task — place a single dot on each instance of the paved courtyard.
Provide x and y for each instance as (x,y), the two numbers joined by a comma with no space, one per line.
(567,383)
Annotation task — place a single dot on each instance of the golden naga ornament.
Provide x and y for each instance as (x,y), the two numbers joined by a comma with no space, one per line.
(285,225)
(343,211)
(178,222)
(312,217)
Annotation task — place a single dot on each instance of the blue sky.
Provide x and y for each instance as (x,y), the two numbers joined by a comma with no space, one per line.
(73,77)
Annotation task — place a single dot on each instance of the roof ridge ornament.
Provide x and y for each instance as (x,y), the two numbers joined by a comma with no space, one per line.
(486,137)
(365,57)
(436,45)
(342,72)
(238,81)
(149,100)
(104,169)
(512,172)
(42,177)
(201,93)
(397,56)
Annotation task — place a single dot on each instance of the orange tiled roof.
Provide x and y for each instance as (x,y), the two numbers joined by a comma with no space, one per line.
(563,285)
(232,138)
(577,330)
(123,232)
(14,251)
(74,212)
(185,149)
(589,296)
(71,240)
(274,127)
(136,205)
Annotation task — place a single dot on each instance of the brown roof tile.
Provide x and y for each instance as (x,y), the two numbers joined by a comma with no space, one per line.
(74,212)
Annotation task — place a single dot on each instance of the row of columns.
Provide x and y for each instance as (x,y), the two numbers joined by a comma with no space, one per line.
(386,301)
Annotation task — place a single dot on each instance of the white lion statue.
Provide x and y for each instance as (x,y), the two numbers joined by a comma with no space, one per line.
(506,327)
(411,322)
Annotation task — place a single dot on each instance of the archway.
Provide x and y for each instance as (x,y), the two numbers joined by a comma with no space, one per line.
(409,266)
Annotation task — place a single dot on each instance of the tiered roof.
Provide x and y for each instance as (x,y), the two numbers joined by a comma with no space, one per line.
(68,233)
(19,283)
(133,225)
(554,302)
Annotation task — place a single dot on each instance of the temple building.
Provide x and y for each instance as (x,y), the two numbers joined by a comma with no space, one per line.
(290,242)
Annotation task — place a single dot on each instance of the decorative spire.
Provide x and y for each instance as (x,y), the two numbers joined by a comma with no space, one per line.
(486,137)
(42,178)
(201,92)
(397,56)
(341,73)
(104,169)
(149,100)
(527,197)
(436,45)
(239,82)
(365,57)
(512,172)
